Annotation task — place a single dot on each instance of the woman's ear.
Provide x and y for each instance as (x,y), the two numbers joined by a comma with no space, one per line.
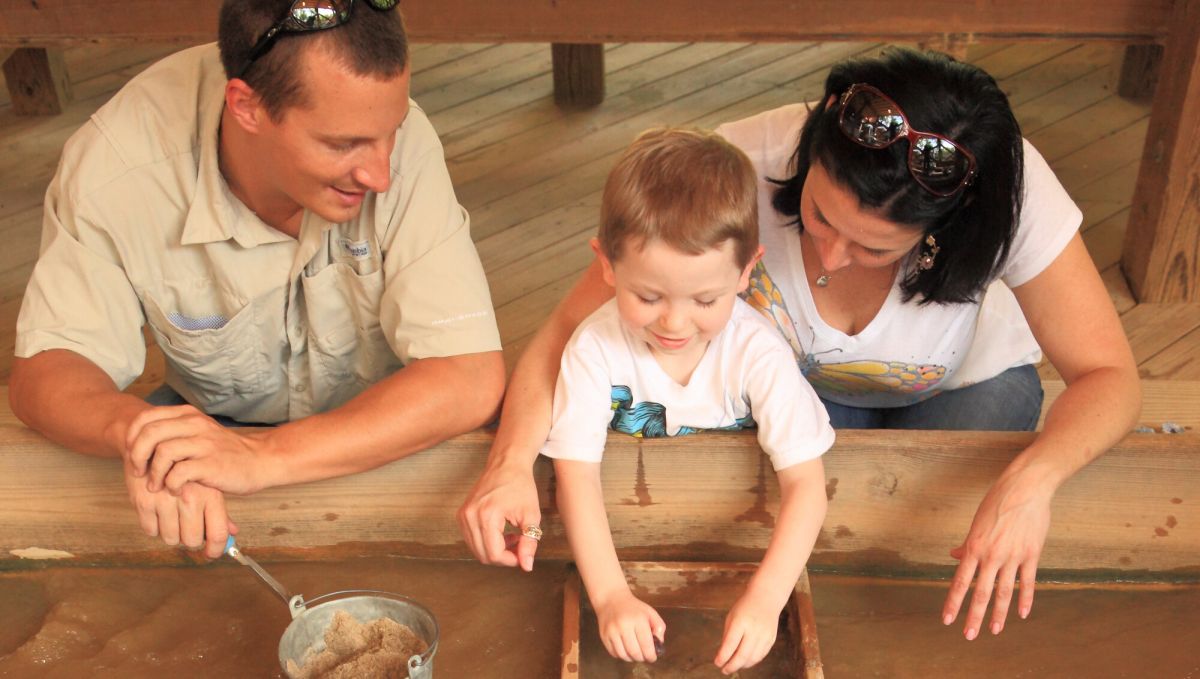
(830,101)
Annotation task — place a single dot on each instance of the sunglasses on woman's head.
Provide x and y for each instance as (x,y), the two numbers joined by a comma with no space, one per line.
(305,16)
(870,118)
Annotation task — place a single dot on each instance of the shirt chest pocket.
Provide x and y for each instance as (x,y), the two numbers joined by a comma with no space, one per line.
(215,356)
(342,308)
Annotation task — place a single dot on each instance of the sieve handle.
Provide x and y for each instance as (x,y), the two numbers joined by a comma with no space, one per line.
(232,550)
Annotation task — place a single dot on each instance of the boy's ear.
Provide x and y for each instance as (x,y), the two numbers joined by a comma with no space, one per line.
(744,281)
(244,105)
(605,265)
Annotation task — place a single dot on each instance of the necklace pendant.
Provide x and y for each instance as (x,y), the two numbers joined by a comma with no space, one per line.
(823,280)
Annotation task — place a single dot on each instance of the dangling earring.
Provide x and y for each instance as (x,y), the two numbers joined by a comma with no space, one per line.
(926,259)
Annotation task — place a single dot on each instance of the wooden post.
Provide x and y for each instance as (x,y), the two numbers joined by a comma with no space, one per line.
(1161,258)
(578,74)
(572,607)
(37,81)
(1139,71)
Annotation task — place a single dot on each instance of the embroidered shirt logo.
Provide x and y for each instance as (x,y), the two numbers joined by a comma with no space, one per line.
(358,250)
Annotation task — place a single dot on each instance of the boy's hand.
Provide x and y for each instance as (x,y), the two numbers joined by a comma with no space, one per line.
(628,628)
(750,630)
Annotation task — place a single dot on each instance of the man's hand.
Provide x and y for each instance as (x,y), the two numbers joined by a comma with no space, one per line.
(502,495)
(195,517)
(175,445)
(1005,540)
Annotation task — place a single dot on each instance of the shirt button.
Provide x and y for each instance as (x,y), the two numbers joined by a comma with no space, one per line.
(299,386)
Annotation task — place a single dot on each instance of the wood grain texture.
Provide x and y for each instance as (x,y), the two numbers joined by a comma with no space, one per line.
(71,21)
(898,503)
(1162,244)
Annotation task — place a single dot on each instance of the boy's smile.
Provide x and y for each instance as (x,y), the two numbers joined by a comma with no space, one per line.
(673,301)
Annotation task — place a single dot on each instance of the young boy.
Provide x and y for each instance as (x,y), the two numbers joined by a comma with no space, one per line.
(676,352)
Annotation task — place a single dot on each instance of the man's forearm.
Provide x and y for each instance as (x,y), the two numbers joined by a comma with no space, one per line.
(421,405)
(71,401)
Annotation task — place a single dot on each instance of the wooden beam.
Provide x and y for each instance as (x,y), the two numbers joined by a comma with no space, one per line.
(56,22)
(899,501)
(578,75)
(37,81)
(1161,256)
(1139,71)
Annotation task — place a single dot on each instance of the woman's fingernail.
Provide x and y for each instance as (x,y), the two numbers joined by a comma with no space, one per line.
(971,634)
(947,619)
(1024,613)
(995,628)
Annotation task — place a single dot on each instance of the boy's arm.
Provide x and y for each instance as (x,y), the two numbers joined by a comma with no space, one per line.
(751,625)
(793,428)
(627,625)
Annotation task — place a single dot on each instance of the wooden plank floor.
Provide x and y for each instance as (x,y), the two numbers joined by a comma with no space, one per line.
(531,174)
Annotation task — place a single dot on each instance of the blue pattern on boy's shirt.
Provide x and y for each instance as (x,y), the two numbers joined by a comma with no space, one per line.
(649,419)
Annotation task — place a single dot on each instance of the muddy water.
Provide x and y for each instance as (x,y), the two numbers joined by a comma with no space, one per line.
(883,628)
(693,638)
(219,621)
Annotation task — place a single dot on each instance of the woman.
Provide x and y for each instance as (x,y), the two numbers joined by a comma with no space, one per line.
(919,252)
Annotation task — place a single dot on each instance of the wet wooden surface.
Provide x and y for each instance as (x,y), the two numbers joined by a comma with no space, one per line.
(219,620)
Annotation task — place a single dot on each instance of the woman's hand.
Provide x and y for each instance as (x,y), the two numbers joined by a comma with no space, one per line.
(1005,541)
(750,630)
(504,494)
(629,626)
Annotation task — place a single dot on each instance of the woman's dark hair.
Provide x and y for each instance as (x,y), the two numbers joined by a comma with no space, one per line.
(371,43)
(974,228)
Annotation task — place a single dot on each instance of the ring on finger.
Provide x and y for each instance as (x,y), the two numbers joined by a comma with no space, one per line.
(533,532)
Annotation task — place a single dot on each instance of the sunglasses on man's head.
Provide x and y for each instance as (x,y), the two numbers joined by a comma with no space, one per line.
(870,118)
(305,16)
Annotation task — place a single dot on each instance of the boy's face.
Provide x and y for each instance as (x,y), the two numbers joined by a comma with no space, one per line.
(327,155)
(673,301)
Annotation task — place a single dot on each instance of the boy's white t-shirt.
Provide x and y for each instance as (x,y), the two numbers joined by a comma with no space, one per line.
(907,352)
(609,378)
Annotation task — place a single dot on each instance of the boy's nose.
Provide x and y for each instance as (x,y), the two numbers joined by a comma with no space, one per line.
(671,320)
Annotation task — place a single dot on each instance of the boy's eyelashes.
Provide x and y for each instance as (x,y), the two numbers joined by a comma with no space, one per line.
(702,303)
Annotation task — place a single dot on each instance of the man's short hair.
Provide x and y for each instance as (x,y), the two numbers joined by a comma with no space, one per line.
(690,189)
(370,43)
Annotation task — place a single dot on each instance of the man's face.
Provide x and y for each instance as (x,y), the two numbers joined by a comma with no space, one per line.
(326,154)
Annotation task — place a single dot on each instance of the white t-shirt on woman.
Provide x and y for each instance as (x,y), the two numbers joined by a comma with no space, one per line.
(907,352)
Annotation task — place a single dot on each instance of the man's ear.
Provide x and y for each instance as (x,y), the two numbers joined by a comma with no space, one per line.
(244,105)
(605,265)
(744,281)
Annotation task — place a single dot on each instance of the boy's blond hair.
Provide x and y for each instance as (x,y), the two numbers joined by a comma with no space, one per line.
(690,189)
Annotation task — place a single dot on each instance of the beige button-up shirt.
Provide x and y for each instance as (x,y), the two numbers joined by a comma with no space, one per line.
(140,228)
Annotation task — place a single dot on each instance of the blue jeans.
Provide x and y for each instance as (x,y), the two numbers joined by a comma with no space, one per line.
(1010,401)
(166,396)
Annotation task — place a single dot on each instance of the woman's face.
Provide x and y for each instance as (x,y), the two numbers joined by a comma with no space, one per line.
(844,232)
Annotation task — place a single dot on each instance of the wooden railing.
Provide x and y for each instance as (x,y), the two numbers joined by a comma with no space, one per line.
(1162,242)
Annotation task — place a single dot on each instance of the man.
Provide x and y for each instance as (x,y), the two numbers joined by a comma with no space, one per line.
(279,213)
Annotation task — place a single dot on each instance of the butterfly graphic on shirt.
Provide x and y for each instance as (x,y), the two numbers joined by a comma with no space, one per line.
(849,377)
(649,419)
